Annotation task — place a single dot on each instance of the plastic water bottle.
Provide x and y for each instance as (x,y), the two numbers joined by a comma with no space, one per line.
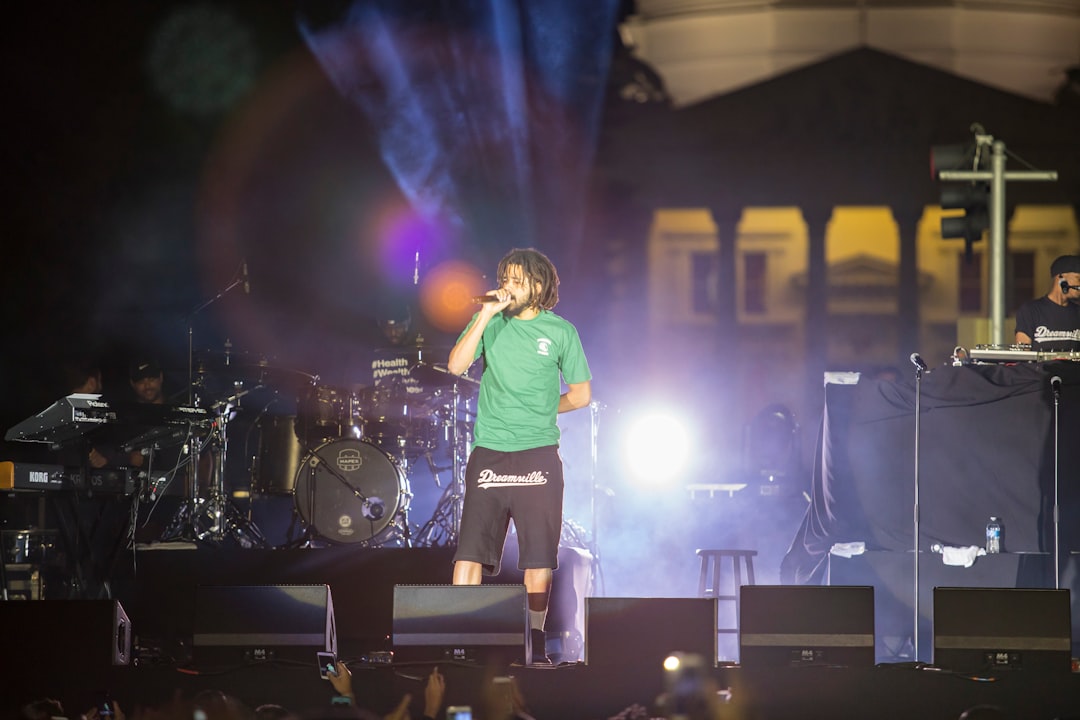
(993,536)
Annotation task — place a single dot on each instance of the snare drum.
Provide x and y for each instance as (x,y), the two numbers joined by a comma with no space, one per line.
(350,491)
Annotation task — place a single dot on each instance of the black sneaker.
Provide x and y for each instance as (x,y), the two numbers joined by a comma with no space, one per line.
(539,650)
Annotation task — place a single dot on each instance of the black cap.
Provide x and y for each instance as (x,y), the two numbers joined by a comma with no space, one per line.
(144,368)
(1065,264)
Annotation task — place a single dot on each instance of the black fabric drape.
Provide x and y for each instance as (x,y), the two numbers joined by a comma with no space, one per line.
(986,448)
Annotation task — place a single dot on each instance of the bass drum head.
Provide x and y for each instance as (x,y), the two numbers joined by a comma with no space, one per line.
(350,491)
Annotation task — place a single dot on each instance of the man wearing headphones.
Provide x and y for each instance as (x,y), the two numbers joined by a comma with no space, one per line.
(1052,322)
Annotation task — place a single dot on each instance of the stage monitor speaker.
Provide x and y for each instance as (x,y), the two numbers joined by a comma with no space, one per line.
(463,623)
(981,629)
(97,631)
(795,625)
(248,623)
(648,630)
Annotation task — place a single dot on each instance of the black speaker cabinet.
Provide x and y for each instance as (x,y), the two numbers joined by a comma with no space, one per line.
(980,629)
(238,624)
(784,625)
(464,623)
(648,630)
(98,630)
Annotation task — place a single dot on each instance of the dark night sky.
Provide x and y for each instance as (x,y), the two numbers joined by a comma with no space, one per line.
(128,209)
(113,230)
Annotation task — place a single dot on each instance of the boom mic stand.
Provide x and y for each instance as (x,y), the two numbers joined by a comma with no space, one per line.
(185,520)
(1055,387)
(240,280)
(920,368)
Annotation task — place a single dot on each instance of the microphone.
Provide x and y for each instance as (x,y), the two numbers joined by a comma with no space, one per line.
(917,361)
(1055,384)
(245,279)
(485,299)
(373,508)
(1066,287)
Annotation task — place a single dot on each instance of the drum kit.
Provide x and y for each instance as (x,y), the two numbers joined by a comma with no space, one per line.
(343,457)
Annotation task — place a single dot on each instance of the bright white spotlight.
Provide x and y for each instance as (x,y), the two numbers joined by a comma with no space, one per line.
(657,448)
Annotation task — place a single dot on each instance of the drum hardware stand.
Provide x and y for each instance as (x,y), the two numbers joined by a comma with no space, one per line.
(183,525)
(456,488)
(310,535)
(407,496)
(222,516)
(225,518)
(447,515)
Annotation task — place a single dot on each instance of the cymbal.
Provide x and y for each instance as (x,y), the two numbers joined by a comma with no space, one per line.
(438,374)
(247,368)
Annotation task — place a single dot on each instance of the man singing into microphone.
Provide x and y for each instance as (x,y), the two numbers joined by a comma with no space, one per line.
(514,469)
(1052,322)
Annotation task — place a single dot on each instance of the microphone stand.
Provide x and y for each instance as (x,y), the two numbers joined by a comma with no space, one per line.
(594,431)
(241,280)
(920,366)
(190,508)
(1055,386)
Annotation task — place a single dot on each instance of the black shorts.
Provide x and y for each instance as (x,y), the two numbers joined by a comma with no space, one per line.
(525,485)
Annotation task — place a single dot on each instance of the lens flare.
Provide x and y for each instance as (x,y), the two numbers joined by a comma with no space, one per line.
(657,448)
(408,243)
(446,294)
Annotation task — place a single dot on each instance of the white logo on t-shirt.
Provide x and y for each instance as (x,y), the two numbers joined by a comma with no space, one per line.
(490,478)
(1044,334)
(542,346)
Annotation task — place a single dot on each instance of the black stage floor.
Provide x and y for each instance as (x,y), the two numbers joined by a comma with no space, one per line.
(66,658)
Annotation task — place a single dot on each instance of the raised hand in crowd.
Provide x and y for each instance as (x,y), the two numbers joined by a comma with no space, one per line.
(341,680)
(401,712)
(95,713)
(434,692)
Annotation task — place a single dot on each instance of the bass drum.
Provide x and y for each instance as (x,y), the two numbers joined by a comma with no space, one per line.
(350,491)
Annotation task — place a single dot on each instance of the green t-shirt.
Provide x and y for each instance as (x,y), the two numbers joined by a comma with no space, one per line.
(520,387)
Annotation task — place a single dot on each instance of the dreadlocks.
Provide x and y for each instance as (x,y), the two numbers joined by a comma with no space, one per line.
(536,267)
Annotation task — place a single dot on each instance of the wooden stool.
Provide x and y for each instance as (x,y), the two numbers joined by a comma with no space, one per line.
(712,565)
